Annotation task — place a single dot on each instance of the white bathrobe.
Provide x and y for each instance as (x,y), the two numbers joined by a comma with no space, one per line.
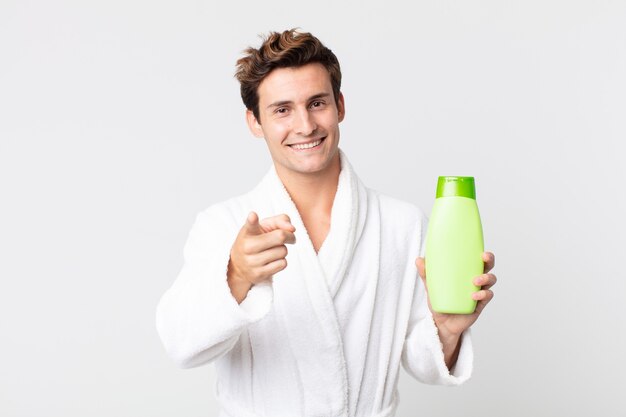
(326,337)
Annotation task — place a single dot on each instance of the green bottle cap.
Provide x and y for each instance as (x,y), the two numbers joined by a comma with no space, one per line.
(456,187)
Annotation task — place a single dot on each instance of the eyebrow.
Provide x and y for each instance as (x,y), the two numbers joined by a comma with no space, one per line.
(284,102)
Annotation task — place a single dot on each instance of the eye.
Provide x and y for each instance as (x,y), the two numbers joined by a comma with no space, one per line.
(317,103)
(281,110)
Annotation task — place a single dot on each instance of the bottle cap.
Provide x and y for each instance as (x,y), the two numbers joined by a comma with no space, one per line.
(456,187)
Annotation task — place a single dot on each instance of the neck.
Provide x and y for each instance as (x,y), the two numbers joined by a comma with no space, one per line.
(312,192)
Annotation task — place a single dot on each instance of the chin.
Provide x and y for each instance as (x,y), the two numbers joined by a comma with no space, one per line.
(314,168)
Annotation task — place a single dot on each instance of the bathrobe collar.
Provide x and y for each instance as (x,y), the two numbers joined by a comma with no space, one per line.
(304,291)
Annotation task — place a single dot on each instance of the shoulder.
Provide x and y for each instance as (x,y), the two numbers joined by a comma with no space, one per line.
(400,212)
(401,221)
(230,212)
(214,227)
(402,225)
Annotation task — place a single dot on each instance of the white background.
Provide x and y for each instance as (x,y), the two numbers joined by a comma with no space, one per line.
(120,120)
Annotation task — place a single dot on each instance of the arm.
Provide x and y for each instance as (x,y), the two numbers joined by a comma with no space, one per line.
(451,326)
(198,319)
(425,355)
(432,352)
(450,348)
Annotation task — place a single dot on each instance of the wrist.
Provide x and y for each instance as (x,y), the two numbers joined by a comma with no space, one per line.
(447,337)
(238,285)
(447,331)
(450,343)
(450,346)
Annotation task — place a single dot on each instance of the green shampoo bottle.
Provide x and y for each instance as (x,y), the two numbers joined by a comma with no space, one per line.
(454,247)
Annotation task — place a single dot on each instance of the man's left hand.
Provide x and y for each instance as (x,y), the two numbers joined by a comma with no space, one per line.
(451,326)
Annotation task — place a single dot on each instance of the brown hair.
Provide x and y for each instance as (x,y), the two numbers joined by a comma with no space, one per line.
(291,48)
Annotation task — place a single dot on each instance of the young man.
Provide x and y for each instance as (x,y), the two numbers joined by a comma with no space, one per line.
(311,310)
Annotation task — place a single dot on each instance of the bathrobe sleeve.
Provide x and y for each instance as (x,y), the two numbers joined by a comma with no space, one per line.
(422,355)
(198,319)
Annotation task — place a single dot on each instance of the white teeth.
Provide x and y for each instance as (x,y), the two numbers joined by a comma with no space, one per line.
(307,145)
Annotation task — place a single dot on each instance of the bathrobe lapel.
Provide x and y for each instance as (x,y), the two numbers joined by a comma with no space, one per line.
(304,291)
(347,221)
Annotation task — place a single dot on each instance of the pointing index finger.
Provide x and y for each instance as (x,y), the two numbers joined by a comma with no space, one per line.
(272,239)
(281,221)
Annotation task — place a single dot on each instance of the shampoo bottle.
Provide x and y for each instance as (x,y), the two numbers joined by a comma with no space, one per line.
(454,247)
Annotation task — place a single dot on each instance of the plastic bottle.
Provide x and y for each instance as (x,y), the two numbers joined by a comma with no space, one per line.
(454,247)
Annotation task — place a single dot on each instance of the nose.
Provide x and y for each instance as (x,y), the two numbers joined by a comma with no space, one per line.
(304,123)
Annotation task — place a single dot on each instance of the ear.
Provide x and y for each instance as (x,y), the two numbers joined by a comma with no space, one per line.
(254,125)
(341,107)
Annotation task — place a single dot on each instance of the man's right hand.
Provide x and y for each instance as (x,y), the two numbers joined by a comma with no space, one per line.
(258,252)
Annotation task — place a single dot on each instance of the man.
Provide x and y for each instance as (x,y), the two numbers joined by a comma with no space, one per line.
(310,311)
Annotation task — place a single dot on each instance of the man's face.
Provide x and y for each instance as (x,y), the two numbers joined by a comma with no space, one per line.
(299,119)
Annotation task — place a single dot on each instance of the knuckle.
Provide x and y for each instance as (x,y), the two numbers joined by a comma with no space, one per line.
(282,264)
(276,266)
(254,275)
(246,247)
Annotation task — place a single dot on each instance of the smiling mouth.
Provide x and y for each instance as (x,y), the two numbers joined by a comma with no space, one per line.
(309,145)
